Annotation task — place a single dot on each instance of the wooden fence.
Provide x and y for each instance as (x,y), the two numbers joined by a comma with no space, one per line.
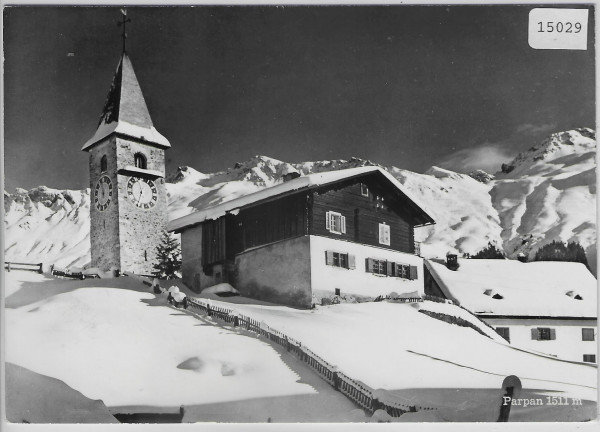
(23,266)
(364,396)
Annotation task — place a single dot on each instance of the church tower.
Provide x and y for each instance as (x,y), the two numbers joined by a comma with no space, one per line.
(128,209)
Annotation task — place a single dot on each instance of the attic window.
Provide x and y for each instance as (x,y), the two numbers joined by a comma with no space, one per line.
(364,190)
(140,160)
(493,294)
(103,164)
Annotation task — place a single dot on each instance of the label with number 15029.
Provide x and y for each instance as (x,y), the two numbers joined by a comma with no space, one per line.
(551,28)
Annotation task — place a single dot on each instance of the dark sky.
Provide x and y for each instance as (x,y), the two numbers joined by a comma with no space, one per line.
(411,86)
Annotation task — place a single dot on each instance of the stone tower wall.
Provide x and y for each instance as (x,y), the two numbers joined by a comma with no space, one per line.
(104,225)
(140,230)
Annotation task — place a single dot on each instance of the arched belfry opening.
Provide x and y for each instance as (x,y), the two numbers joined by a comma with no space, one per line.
(140,161)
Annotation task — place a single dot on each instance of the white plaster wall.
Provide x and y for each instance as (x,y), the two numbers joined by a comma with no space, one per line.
(568,344)
(325,279)
(279,272)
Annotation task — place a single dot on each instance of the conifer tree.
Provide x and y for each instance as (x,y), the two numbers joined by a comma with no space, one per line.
(168,258)
(489,252)
(559,251)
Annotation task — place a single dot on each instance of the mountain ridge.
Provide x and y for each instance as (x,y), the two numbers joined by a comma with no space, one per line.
(548,194)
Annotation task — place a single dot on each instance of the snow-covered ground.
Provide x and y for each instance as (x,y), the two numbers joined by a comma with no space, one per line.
(393,346)
(111,341)
(114,341)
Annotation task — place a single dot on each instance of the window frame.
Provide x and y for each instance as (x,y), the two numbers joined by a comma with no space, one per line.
(143,160)
(543,333)
(589,358)
(587,330)
(340,259)
(364,190)
(330,217)
(504,332)
(389,234)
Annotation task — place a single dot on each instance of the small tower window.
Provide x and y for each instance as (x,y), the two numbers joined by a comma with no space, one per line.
(140,160)
(103,164)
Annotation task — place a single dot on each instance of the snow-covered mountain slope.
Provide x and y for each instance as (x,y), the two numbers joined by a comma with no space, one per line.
(549,193)
(546,193)
(47,225)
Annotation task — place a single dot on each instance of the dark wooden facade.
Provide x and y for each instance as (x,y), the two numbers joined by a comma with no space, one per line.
(365,202)
(363,214)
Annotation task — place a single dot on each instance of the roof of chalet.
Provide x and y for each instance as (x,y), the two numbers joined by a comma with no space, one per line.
(125,110)
(512,288)
(310,181)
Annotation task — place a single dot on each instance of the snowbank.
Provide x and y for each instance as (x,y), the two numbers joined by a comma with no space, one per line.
(123,346)
(219,289)
(35,398)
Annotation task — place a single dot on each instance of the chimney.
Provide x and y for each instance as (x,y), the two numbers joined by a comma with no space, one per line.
(452,261)
(290,176)
(289,173)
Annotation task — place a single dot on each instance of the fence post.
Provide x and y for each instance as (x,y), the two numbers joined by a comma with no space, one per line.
(236,321)
(8,267)
(208,311)
(336,380)
(40,270)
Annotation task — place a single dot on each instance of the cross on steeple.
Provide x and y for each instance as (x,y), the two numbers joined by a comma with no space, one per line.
(124,24)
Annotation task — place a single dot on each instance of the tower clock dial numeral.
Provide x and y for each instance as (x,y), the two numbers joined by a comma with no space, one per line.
(142,192)
(103,193)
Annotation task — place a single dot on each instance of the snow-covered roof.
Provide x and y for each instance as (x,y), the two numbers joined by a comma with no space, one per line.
(303,182)
(125,110)
(513,288)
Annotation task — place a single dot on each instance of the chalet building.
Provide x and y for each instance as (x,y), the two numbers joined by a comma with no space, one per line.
(349,232)
(548,307)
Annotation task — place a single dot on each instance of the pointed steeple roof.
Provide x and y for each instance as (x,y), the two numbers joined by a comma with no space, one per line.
(125,111)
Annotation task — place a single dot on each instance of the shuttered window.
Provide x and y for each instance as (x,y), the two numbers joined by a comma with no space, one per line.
(384,234)
(335,222)
(338,259)
(543,333)
(390,268)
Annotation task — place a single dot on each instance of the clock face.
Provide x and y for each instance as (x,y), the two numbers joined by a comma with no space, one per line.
(142,192)
(103,193)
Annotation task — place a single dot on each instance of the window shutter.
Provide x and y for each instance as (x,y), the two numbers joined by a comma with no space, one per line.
(343,223)
(329,257)
(380,233)
(390,268)
(351,262)
(412,273)
(369,263)
(327,221)
(535,334)
(552,334)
